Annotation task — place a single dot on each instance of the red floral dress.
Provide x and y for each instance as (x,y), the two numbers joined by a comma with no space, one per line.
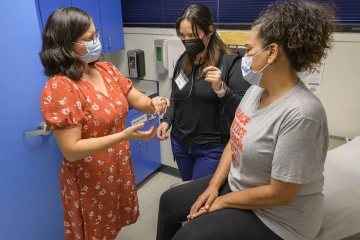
(98,192)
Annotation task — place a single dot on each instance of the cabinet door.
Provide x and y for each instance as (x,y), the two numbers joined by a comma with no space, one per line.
(47,7)
(91,7)
(112,26)
(145,155)
(151,155)
(136,147)
(136,158)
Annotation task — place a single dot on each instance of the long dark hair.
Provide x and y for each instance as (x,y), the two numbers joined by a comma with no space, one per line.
(63,27)
(199,15)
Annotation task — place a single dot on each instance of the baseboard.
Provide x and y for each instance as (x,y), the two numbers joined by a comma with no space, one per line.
(169,170)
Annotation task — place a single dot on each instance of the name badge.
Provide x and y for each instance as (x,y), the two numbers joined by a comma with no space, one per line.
(181,80)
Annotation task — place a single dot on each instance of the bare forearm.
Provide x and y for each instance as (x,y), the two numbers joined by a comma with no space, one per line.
(223,168)
(86,147)
(139,101)
(143,104)
(254,198)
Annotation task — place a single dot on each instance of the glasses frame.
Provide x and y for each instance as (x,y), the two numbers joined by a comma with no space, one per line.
(92,39)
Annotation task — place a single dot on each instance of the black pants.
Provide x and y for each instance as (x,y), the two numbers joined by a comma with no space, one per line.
(227,224)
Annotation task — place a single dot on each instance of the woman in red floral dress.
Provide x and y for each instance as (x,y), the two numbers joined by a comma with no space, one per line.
(85,103)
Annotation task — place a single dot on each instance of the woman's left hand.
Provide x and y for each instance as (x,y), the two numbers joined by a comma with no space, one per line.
(215,206)
(159,104)
(213,75)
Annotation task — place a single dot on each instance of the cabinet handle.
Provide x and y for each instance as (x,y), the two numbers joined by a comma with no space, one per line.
(140,147)
(109,41)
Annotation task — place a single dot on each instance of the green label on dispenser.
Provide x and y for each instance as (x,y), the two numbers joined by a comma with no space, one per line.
(158,54)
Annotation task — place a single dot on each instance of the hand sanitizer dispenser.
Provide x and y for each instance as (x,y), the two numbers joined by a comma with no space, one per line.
(136,63)
(161,55)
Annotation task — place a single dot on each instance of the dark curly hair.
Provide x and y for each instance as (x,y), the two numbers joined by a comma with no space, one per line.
(199,15)
(303,29)
(63,27)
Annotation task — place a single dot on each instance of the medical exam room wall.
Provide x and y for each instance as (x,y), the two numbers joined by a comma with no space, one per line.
(339,92)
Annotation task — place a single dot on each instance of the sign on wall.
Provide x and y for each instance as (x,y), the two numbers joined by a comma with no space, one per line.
(313,79)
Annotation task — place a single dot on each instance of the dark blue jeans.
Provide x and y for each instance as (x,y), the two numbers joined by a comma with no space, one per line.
(196,161)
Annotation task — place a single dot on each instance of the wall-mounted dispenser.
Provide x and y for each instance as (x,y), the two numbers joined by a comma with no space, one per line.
(136,63)
(161,55)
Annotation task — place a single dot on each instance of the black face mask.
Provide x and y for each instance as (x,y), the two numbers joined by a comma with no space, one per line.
(193,47)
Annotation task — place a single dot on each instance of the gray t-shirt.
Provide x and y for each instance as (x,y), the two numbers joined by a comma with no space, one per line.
(287,141)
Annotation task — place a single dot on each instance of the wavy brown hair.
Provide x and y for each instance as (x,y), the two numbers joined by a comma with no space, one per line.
(303,29)
(199,15)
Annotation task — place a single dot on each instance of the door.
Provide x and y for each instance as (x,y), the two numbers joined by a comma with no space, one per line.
(112,25)
(47,7)
(30,200)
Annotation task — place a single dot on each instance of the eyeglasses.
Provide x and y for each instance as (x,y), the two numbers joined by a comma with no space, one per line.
(94,38)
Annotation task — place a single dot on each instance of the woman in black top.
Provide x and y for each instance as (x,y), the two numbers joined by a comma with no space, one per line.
(204,98)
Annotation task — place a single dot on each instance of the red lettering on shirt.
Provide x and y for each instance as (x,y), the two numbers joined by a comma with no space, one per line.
(237,133)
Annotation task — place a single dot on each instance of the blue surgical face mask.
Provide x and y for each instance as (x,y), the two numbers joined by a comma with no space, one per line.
(248,74)
(93,49)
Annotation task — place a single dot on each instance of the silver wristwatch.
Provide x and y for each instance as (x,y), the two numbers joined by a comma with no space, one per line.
(222,89)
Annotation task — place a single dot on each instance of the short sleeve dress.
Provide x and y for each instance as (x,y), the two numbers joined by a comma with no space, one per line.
(98,192)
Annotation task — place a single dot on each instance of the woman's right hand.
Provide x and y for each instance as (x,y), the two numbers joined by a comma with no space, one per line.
(161,131)
(133,133)
(204,201)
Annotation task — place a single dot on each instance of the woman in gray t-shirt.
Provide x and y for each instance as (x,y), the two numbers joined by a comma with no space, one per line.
(269,182)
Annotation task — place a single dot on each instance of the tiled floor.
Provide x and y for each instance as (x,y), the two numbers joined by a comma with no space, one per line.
(149,193)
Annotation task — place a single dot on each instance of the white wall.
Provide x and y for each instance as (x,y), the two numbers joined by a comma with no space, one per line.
(339,93)
(341,85)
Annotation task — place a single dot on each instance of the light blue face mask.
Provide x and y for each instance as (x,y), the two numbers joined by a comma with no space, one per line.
(248,74)
(93,50)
